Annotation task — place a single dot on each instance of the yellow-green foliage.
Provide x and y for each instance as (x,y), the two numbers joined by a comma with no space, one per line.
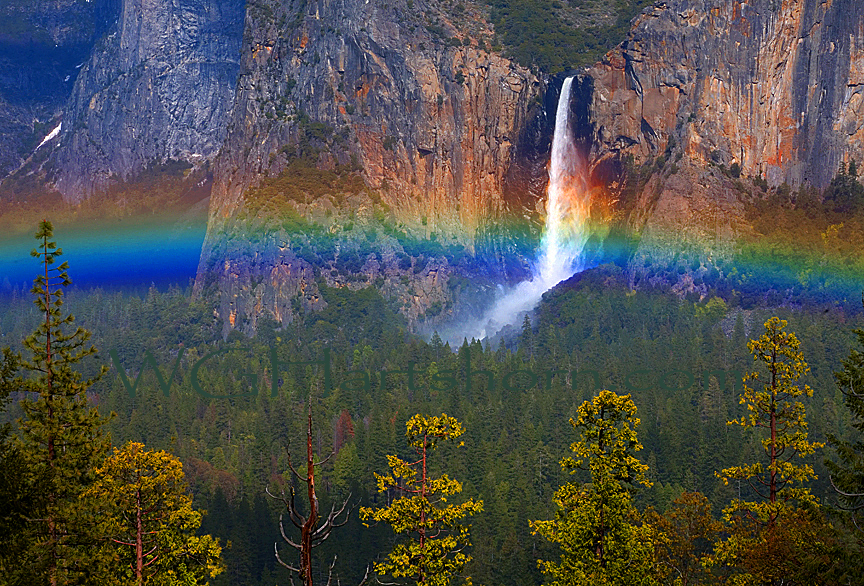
(773,410)
(144,499)
(434,552)
(596,525)
(754,526)
(714,309)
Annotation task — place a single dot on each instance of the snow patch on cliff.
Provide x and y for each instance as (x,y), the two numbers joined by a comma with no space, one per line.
(51,136)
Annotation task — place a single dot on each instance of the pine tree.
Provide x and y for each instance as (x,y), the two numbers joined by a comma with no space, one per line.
(596,525)
(772,409)
(845,194)
(526,339)
(148,521)
(434,552)
(61,435)
(437,345)
(755,544)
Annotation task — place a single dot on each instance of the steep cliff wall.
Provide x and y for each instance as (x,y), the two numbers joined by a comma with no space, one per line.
(357,142)
(160,86)
(432,124)
(775,86)
(409,95)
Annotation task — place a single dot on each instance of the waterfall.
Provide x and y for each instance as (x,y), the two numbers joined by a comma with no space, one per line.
(565,233)
(567,203)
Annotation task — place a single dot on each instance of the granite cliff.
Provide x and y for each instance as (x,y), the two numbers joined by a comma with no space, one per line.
(388,132)
(775,87)
(159,86)
(384,142)
(406,97)
(42,48)
(771,89)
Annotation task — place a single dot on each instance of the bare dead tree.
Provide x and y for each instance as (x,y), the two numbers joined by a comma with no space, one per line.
(313,531)
(852,502)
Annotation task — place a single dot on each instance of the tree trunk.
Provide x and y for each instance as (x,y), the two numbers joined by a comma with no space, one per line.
(312,521)
(423,514)
(52,522)
(601,530)
(139,540)
(772,483)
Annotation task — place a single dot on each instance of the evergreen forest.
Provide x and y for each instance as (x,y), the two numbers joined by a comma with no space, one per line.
(634,402)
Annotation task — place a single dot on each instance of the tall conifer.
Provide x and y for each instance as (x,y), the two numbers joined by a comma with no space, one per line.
(61,434)
(148,522)
(433,551)
(774,410)
(601,537)
(779,535)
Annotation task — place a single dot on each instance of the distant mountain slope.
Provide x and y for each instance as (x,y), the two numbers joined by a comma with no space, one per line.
(42,48)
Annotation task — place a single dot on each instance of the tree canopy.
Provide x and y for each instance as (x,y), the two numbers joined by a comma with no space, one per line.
(433,551)
(603,541)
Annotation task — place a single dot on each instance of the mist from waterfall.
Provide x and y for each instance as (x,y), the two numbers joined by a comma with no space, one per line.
(565,233)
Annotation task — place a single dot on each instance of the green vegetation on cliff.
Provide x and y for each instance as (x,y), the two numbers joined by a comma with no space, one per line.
(557,35)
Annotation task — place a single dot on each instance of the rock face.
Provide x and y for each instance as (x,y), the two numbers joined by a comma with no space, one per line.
(411,96)
(689,223)
(447,141)
(775,86)
(160,86)
(431,124)
(772,86)
(42,46)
